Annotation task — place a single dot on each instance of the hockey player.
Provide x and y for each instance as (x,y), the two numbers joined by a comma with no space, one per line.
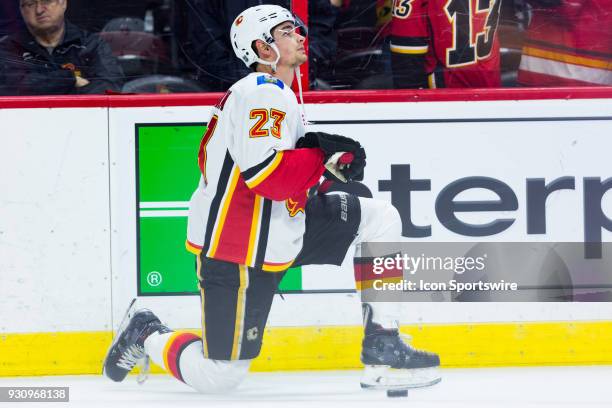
(250,219)
(445,44)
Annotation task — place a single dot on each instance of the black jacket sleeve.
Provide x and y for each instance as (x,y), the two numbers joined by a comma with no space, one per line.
(99,67)
(408,71)
(55,81)
(24,77)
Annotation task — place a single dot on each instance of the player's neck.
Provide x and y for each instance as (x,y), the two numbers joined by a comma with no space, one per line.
(285,74)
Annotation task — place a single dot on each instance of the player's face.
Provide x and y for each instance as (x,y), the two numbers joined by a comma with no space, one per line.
(290,43)
(43,15)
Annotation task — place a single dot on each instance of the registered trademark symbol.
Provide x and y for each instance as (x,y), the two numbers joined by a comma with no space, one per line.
(154,278)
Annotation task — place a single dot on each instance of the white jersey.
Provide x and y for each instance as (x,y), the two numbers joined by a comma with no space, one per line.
(249,205)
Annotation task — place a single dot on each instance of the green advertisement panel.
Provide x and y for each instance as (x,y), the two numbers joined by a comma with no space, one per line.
(167,173)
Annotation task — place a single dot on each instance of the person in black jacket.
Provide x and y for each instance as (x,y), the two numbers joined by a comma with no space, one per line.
(209,24)
(54,57)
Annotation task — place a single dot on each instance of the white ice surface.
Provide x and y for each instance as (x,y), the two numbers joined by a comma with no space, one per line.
(460,388)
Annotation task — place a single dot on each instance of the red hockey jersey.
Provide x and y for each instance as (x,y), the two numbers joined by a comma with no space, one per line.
(457,38)
(569,45)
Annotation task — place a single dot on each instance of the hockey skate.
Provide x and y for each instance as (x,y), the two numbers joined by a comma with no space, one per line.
(391,363)
(127,350)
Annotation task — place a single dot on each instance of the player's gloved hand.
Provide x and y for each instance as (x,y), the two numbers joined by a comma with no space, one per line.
(345,159)
(310,139)
(354,170)
(337,164)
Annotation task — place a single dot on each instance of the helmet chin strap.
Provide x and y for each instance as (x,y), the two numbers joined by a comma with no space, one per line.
(298,77)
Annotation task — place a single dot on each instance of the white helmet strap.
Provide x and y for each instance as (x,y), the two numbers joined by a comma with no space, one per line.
(298,77)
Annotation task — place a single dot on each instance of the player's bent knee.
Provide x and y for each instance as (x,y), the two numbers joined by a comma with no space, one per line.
(394,219)
(381,221)
(218,376)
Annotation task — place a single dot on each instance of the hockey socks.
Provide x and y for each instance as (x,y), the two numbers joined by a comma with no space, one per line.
(382,313)
(166,349)
(181,355)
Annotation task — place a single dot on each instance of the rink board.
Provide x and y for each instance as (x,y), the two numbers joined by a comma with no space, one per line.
(339,347)
(72,234)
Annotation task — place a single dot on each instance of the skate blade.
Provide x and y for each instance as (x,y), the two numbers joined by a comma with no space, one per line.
(387,378)
(144,366)
(124,322)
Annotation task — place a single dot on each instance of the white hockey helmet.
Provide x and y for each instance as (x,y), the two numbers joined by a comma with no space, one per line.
(256,23)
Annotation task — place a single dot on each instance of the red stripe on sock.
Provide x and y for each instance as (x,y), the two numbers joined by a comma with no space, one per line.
(364,271)
(174,352)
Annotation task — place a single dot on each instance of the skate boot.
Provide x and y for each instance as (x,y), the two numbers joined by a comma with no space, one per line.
(127,350)
(390,363)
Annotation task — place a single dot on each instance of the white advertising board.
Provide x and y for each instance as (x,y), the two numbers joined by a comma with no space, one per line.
(438,145)
(68,211)
(54,220)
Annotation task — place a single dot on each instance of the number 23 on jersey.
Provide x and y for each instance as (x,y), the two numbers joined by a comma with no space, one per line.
(261,127)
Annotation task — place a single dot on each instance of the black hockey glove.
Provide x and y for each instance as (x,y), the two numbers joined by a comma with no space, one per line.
(345,159)
(310,139)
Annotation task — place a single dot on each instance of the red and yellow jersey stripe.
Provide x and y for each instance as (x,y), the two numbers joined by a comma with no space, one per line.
(240,219)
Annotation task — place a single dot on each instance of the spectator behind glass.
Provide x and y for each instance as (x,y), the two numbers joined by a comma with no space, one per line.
(209,24)
(445,44)
(53,56)
(568,43)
